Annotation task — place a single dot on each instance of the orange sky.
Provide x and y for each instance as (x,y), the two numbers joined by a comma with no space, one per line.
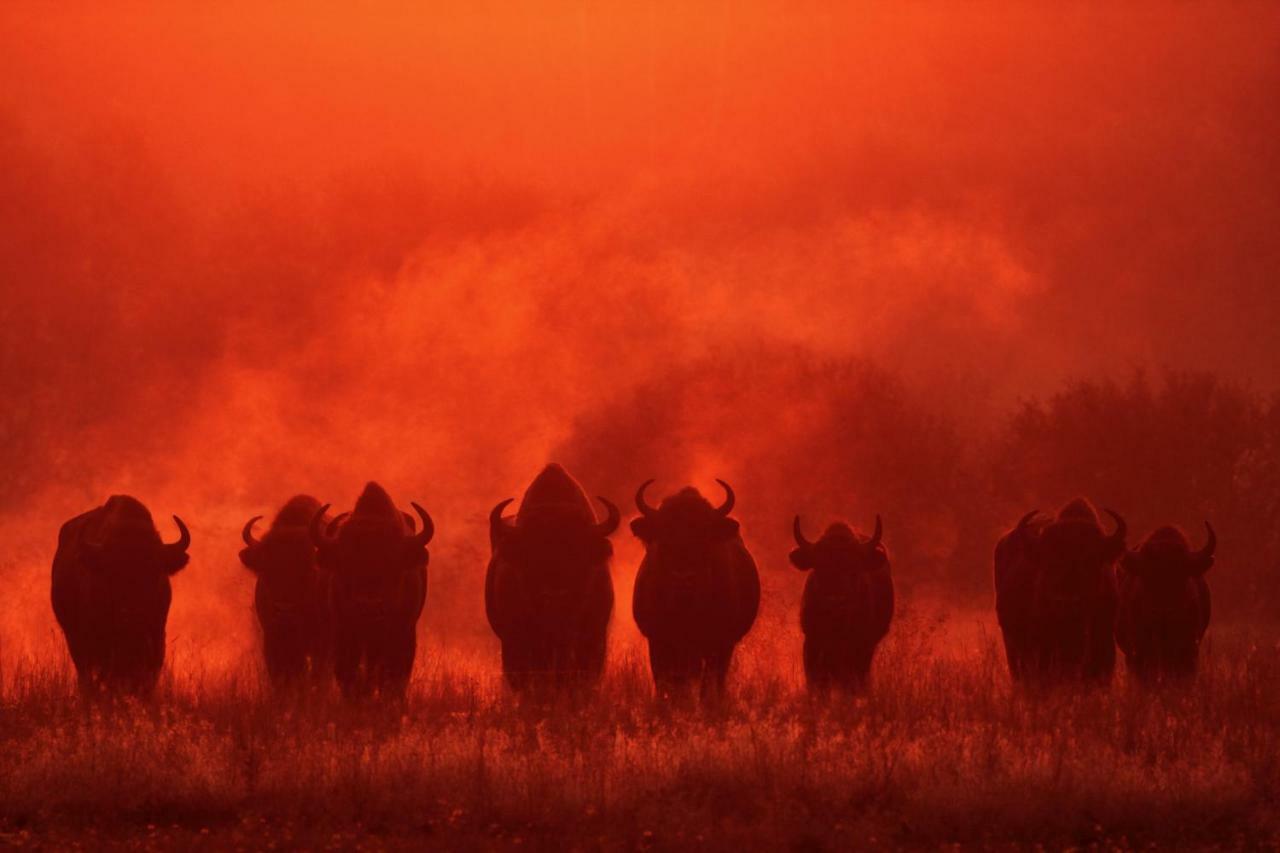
(250,253)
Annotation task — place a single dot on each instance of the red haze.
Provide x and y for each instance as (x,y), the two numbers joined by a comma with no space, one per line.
(247,253)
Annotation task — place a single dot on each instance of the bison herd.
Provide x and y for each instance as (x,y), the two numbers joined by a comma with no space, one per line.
(339,596)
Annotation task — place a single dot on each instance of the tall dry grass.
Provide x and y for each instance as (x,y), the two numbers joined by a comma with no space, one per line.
(942,749)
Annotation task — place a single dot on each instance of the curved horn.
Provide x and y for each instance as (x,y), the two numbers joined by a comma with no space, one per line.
(1211,544)
(497,524)
(247,533)
(428,526)
(729,499)
(1122,529)
(1025,520)
(799,534)
(322,537)
(184,537)
(332,527)
(644,508)
(874,542)
(610,523)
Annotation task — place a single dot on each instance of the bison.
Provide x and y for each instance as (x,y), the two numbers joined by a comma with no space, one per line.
(377,566)
(1164,605)
(1056,595)
(111,594)
(548,593)
(697,591)
(847,604)
(291,595)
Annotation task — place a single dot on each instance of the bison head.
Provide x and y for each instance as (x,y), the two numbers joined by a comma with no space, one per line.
(127,541)
(685,516)
(1072,548)
(545,535)
(287,547)
(1167,556)
(375,539)
(839,549)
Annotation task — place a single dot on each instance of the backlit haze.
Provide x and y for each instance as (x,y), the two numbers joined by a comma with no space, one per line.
(246,253)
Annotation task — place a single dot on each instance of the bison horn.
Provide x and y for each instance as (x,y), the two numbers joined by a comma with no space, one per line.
(729,499)
(874,542)
(799,534)
(428,526)
(1205,554)
(1025,520)
(497,524)
(247,533)
(611,521)
(184,537)
(1122,529)
(322,536)
(644,508)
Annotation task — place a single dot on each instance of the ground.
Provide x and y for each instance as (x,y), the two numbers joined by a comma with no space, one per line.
(941,750)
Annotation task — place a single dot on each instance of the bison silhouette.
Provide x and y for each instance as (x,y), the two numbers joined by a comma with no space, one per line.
(847,604)
(291,596)
(697,591)
(1056,595)
(1164,605)
(111,594)
(548,594)
(377,567)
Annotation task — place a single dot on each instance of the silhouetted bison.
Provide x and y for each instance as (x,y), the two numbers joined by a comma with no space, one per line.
(1056,595)
(1164,604)
(697,591)
(847,604)
(548,593)
(291,597)
(111,593)
(377,565)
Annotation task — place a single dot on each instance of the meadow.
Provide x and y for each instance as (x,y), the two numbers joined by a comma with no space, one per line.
(941,750)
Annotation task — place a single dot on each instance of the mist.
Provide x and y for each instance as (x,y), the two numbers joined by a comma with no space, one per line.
(824,256)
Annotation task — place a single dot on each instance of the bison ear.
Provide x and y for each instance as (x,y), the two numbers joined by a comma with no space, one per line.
(731,527)
(642,528)
(602,549)
(416,552)
(802,558)
(248,556)
(173,561)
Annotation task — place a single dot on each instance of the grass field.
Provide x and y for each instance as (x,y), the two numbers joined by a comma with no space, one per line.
(942,750)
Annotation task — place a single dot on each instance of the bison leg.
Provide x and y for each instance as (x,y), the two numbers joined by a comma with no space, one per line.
(817,668)
(346,664)
(674,667)
(716,671)
(398,657)
(285,659)
(1100,662)
(515,664)
(1014,651)
(856,672)
(389,656)
(590,655)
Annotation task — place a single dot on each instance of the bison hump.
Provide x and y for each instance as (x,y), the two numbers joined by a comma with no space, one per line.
(1081,510)
(374,501)
(298,512)
(556,493)
(123,509)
